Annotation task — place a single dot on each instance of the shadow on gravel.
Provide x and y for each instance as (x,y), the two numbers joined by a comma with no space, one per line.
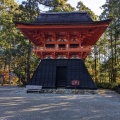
(22,106)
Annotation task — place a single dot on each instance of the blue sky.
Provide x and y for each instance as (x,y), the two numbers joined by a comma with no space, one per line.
(94,5)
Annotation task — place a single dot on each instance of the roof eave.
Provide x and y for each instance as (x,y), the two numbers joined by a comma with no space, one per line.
(77,23)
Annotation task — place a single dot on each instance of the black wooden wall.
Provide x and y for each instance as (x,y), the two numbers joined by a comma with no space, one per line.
(45,74)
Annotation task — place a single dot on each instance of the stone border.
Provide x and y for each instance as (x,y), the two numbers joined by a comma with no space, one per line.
(69,91)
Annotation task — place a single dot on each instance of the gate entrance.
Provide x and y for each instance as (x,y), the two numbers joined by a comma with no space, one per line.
(61,76)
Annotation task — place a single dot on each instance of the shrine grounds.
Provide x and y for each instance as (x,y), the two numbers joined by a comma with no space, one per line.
(15,104)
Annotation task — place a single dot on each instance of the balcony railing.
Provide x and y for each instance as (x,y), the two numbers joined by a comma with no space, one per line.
(41,49)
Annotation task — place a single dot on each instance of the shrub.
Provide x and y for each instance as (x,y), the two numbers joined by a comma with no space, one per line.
(111,86)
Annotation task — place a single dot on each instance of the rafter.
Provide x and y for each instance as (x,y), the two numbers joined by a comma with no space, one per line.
(70,40)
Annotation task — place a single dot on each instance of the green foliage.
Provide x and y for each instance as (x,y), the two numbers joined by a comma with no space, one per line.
(111,86)
(7,31)
(82,7)
(15,50)
(111,9)
(27,11)
(57,5)
(105,56)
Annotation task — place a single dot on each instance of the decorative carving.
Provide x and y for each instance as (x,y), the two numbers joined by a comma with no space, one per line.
(84,37)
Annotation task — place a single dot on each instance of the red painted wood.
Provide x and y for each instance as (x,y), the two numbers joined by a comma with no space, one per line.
(85,35)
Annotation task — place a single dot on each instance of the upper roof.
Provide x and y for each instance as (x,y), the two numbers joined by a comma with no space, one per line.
(63,17)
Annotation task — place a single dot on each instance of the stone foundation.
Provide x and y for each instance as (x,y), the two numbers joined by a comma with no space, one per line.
(69,91)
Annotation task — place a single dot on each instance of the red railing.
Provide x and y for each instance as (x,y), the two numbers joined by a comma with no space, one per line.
(88,48)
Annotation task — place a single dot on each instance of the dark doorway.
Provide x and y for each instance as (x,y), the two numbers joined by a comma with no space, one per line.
(61,76)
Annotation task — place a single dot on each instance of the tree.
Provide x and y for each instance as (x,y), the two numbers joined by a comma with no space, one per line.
(7,33)
(15,50)
(57,5)
(82,7)
(28,10)
(111,9)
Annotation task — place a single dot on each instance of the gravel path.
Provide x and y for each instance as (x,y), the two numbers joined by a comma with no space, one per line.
(15,104)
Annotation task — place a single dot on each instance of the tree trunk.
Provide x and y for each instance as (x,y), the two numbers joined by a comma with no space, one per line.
(9,71)
(95,62)
(28,61)
(115,58)
(112,67)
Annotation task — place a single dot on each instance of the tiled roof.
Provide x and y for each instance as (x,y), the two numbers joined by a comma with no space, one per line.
(63,17)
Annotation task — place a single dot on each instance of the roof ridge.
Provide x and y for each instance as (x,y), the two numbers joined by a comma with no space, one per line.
(77,12)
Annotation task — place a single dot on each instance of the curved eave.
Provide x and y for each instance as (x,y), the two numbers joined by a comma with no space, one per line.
(100,25)
(49,24)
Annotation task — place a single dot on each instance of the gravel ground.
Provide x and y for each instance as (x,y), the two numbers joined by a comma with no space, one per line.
(15,104)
